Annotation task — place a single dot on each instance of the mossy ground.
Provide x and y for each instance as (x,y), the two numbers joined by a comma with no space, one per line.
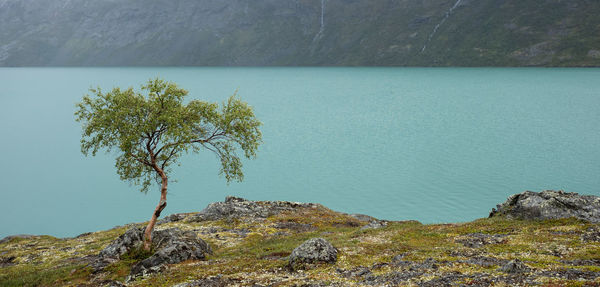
(258,254)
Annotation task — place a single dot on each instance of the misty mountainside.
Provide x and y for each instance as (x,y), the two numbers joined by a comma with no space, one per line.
(300,32)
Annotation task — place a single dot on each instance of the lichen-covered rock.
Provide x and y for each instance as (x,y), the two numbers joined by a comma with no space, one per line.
(315,250)
(130,239)
(215,281)
(476,240)
(591,235)
(235,207)
(363,217)
(7,261)
(514,266)
(172,218)
(176,246)
(550,204)
(172,246)
(375,224)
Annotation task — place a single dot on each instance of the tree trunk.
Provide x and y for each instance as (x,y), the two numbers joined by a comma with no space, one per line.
(159,208)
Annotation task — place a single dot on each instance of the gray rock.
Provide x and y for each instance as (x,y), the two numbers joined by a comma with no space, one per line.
(550,204)
(359,271)
(315,250)
(392,279)
(484,261)
(295,226)
(591,235)
(215,281)
(571,274)
(236,207)
(428,263)
(375,224)
(172,218)
(477,240)
(7,261)
(514,266)
(363,217)
(132,238)
(172,246)
(594,54)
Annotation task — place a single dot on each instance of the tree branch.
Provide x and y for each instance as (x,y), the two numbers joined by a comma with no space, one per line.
(168,158)
(143,161)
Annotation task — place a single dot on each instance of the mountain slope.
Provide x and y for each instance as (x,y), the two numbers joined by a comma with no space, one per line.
(300,32)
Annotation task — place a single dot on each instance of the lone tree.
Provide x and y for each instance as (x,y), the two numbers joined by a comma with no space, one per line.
(152,132)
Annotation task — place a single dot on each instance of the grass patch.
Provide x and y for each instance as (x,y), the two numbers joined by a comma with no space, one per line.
(30,275)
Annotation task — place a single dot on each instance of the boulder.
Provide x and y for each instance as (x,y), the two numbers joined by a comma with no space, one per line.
(550,204)
(236,207)
(315,250)
(132,238)
(172,246)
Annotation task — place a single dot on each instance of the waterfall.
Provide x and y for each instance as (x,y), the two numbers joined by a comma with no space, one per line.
(440,24)
(322,27)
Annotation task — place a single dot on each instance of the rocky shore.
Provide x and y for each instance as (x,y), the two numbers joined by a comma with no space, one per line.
(551,238)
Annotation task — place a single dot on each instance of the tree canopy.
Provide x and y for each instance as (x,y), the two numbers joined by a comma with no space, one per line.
(150,133)
(155,129)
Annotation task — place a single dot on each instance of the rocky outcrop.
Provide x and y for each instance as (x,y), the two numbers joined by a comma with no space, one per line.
(316,250)
(236,207)
(550,204)
(130,239)
(172,246)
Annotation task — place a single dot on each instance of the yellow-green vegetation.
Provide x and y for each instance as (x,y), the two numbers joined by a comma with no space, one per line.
(250,251)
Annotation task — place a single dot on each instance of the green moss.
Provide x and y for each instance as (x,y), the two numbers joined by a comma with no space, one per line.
(44,275)
(262,254)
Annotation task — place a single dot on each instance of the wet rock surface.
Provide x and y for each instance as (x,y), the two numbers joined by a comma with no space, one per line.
(316,250)
(550,204)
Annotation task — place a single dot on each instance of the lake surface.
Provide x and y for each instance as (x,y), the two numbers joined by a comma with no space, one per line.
(434,145)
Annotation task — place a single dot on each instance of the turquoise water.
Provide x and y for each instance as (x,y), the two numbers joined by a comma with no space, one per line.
(435,145)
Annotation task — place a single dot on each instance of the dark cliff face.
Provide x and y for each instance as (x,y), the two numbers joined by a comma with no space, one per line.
(299,32)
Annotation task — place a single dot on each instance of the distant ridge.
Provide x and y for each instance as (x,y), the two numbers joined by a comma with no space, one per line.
(299,33)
